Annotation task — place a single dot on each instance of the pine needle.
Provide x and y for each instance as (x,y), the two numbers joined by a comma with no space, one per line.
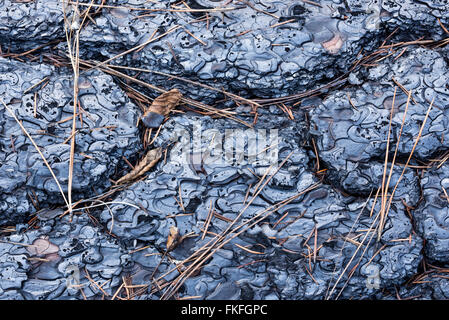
(38,150)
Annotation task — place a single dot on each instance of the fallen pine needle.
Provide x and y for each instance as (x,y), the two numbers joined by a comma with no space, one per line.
(38,150)
(248,250)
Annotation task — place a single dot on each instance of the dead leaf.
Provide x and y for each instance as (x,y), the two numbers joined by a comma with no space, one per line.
(333,45)
(173,238)
(160,108)
(147,162)
(42,247)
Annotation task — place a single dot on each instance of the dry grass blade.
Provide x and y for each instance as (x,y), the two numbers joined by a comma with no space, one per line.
(361,256)
(106,203)
(174,286)
(171,76)
(158,9)
(195,37)
(147,162)
(442,160)
(382,215)
(211,243)
(73,47)
(38,150)
(247,250)
(35,85)
(357,250)
(208,220)
(199,105)
(333,84)
(258,192)
(385,186)
(364,61)
(408,161)
(404,89)
(282,23)
(215,243)
(384,196)
(258,10)
(160,108)
(442,26)
(94,283)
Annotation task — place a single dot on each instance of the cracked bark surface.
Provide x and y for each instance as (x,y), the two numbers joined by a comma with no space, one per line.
(266,50)
(106,132)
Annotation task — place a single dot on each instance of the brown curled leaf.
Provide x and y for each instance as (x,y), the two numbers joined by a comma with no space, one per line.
(333,45)
(147,162)
(173,238)
(160,108)
(166,102)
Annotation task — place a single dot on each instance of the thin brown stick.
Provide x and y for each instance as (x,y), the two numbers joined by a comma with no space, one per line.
(156,10)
